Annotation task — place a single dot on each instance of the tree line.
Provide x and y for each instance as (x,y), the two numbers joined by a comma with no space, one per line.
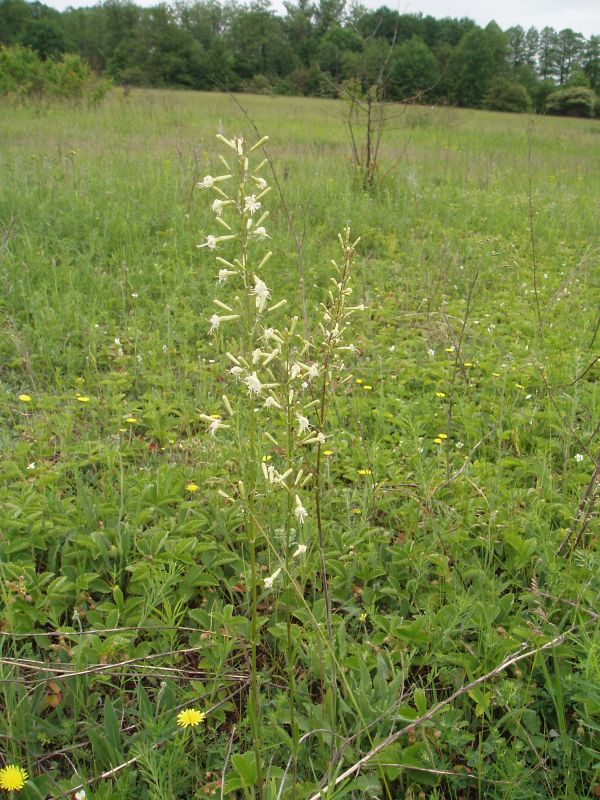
(314,47)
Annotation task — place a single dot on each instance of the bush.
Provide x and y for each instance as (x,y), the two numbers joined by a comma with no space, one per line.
(24,75)
(505,95)
(573,101)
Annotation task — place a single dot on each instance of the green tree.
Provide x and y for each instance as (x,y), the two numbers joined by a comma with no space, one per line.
(591,62)
(507,95)
(573,101)
(413,69)
(14,15)
(45,36)
(517,46)
(568,48)
(479,58)
(547,52)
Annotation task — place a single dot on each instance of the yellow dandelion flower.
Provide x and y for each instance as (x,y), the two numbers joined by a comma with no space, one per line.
(364,472)
(440,394)
(327,452)
(496,374)
(367,388)
(362,617)
(266,458)
(519,385)
(215,416)
(442,435)
(450,349)
(192,487)
(83,398)
(356,510)
(468,363)
(190,718)
(25,398)
(12,778)
(437,440)
(359,381)
(131,420)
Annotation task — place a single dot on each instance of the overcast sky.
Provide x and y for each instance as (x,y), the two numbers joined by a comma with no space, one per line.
(581,15)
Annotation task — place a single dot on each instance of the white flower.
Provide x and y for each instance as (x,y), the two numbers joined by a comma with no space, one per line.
(431,352)
(216,320)
(80,795)
(217,207)
(321,437)
(251,204)
(260,182)
(459,445)
(271,580)
(207,183)
(313,371)
(257,354)
(214,426)
(300,512)
(253,384)
(270,402)
(31,466)
(579,457)
(260,233)
(299,551)
(224,274)
(262,294)
(303,424)
(211,242)
(237,371)
(295,371)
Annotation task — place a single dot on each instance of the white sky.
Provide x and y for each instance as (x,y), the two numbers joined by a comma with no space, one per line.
(581,15)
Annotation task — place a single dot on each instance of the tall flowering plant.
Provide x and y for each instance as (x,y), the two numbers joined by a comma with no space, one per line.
(281,388)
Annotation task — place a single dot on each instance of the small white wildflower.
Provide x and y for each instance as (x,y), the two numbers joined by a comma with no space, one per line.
(215,321)
(262,294)
(117,341)
(579,457)
(211,242)
(207,183)
(300,512)
(271,580)
(260,182)
(299,551)
(135,295)
(217,207)
(295,370)
(313,371)
(257,355)
(321,437)
(236,371)
(303,423)
(80,795)
(31,466)
(215,425)
(459,445)
(270,402)
(224,274)
(431,352)
(251,204)
(260,233)
(253,384)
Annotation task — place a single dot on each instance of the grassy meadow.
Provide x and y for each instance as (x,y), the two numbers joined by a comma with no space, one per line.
(458,487)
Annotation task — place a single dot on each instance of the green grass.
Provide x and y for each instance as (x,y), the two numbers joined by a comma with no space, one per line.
(441,557)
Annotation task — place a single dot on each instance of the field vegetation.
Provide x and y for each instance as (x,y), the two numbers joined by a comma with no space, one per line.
(173,626)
